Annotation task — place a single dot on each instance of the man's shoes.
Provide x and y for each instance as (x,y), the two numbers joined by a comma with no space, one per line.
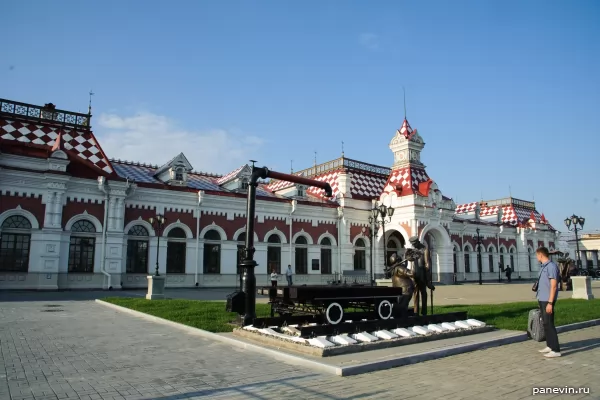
(545,350)
(552,354)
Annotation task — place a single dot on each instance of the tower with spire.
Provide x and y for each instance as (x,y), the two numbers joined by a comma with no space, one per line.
(408,175)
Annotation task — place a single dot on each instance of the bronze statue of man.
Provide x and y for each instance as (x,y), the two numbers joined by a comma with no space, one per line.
(422,276)
(401,277)
(565,264)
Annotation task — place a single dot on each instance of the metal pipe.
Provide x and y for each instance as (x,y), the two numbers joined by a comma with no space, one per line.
(296,179)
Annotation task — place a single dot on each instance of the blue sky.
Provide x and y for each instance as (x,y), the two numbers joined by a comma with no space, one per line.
(504,93)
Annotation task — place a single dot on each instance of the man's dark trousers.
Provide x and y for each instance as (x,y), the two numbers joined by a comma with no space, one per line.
(549,328)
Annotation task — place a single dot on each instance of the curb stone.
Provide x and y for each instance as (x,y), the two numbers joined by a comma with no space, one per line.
(359,368)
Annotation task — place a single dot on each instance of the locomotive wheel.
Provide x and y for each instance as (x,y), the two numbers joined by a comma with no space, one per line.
(334,313)
(384,309)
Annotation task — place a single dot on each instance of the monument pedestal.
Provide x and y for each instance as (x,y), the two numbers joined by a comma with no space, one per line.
(582,287)
(156,287)
(383,282)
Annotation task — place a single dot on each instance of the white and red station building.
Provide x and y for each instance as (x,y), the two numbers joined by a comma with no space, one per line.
(72,218)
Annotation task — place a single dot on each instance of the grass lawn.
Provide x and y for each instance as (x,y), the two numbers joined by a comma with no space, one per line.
(211,315)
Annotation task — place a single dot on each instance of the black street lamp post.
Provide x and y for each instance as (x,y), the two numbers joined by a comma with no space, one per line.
(479,243)
(499,269)
(157,223)
(381,211)
(573,221)
(368,232)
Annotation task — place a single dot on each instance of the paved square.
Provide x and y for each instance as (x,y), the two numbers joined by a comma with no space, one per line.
(87,351)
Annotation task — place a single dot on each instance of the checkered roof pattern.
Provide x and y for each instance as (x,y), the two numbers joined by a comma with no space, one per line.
(362,184)
(230,175)
(511,214)
(406,129)
(408,178)
(82,143)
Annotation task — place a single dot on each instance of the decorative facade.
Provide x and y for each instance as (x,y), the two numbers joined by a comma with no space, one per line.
(70,217)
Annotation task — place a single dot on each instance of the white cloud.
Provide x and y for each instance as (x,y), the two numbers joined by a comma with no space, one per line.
(369,40)
(155,139)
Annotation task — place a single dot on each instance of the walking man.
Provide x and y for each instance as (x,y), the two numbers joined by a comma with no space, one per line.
(288,275)
(547,294)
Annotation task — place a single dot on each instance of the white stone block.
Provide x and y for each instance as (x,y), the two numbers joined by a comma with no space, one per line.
(271,332)
(582,287)
(156,287)
(385,334)
(250,328)
(436,328)
(462,324)
(475,322)
(342,339)
(449,325)
(291,330)
(320,342)
(364,337)
(421,330)
(404,332)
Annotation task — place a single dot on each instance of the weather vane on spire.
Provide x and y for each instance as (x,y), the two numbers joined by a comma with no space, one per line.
(404,91)
(315,158)
(292,166)
(90,105)
(342,148)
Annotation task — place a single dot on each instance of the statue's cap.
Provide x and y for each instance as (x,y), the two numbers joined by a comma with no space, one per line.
(414,239)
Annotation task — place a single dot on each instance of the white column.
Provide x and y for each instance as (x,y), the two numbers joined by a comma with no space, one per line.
(58,205)
(50,210)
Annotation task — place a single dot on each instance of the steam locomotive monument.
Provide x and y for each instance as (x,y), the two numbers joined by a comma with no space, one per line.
(336,309)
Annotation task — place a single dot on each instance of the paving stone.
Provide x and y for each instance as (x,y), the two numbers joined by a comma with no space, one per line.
(105,355)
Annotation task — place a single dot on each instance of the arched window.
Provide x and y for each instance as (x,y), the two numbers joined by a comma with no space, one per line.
(455,259)
(529,258)
(360,255)
(301,255)
(467,259)
(326,256)
(14,244)
(82,247)
(274,253)
(491,259)
(212,252)
(512,260)
(137,250)
(392,248)
(176,249)
(502,266)
(241,239)
(179,174)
